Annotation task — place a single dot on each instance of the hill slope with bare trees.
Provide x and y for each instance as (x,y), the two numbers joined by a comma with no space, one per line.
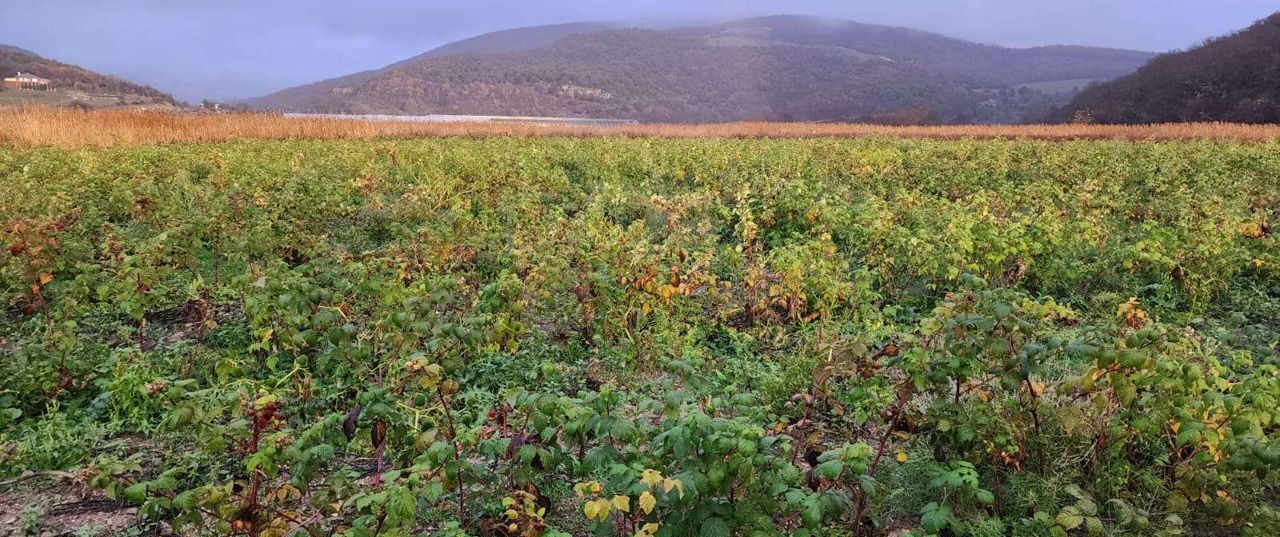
(1235,78)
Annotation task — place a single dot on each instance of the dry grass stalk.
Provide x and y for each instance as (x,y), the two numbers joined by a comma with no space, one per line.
(62,127)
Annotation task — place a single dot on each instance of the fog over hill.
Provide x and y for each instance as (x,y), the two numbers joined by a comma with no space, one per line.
(775,68)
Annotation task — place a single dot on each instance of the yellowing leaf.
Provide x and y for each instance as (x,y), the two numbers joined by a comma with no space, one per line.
(582,489)
(596,509)
(651,478)
(287,491)
(45,278)
(668,484)
(1037,388)
(647,502)
(648,530)
(902,457)
(622,503)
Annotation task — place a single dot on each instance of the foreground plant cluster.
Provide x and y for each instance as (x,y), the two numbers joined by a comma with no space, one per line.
(650,337)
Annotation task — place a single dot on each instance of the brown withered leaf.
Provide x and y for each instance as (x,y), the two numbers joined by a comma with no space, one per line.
(378,433)
(351,423)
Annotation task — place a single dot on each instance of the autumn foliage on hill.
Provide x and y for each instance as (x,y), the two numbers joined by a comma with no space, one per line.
(65,76)
(1234,78)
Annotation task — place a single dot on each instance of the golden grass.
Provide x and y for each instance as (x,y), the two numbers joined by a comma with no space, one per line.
(62,127)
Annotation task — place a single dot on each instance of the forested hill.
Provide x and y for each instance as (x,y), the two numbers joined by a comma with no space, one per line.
(775,68)
(71,77)
(1234,78)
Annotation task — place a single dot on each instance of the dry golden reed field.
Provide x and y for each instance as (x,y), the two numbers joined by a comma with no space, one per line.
(43,126)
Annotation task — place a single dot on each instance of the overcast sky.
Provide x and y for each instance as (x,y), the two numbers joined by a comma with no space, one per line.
(243,48)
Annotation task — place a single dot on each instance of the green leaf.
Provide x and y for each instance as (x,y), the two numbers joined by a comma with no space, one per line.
(935,517)
(715,475)
(714,527)
(985,496)
(869,487)
(185,500)
(432,491)
(1069,518)
(829,469)
(137,493)
(812,512)
(1189,433)
(164,482)
(401,505)
(1087,506)
(794,497)
(1093,525)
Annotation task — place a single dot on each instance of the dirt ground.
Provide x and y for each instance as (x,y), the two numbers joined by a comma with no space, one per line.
(51,506)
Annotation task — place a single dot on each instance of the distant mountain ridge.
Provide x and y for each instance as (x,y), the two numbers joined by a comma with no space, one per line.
(15,50)
(516,39)
(68,78)
(773,68)
(1235,78)
(990,62)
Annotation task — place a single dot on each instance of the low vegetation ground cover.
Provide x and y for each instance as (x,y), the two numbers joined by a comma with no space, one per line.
(644,336)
